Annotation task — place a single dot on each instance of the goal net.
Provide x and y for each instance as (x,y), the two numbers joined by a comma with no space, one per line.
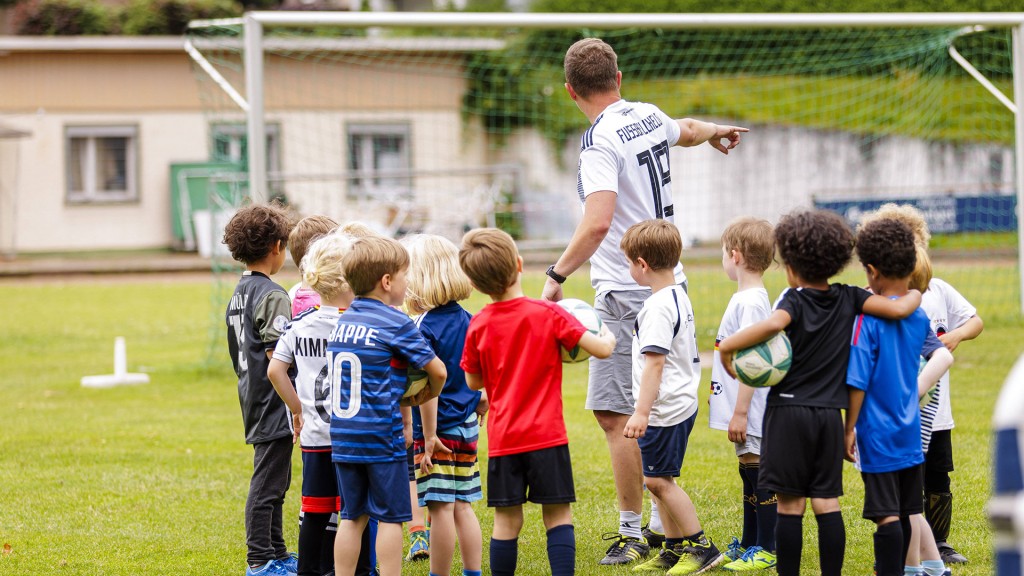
(453,125)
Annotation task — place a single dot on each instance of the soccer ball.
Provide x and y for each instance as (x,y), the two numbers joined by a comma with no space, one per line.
(416,380)
(764,364)
(587,316)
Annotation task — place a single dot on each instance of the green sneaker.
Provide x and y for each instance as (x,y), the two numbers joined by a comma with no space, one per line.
(662,562)
(697,558)
(624,550)
(755,558)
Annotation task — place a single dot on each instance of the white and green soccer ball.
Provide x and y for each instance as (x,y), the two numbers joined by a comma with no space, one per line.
(587,316)
(764,364)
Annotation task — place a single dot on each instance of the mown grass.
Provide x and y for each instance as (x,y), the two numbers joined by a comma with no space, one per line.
(152,479)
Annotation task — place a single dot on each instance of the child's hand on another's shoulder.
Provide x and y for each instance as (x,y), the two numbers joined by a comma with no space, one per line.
(636,426)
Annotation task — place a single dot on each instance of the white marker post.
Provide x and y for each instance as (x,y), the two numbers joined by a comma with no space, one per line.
(1006,506)
(120,375)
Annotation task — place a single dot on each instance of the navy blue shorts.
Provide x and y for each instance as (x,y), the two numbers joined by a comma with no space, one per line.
(379,490)
(410,460)
(319,482)
(662,449)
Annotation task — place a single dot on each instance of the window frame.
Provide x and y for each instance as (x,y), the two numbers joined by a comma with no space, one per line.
(89,193)
(360,185)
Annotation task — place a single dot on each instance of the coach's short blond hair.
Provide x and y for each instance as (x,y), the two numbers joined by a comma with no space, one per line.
(906,213)
(435,277)
(752,237)
(322,268)
(490,259)
(591,67)
(357,229)
(656,241)
(369,259)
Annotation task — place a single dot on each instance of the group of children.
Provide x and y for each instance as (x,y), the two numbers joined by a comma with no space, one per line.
(329,368)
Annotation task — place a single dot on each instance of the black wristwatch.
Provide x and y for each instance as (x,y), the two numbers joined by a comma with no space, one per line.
(555,275)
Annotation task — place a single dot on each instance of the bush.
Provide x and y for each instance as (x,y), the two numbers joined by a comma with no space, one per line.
(62,18)
(146,17)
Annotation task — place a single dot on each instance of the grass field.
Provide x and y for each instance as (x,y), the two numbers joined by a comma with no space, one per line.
(152,479)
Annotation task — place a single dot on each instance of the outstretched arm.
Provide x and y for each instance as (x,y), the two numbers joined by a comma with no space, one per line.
(753,334)
(936,366)
(897,309)
(600,345)
(598,210)
(695,132)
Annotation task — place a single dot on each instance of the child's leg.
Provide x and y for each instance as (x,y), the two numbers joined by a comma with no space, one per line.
(789,536)
(678,514)
(389,548)
(419,544)
(467,526)
(888,540)
(749,535)
(914,544)
(831,535)
(347,545)
(442,536)
(561,539)
(313,542)
(508,521)
(271,477)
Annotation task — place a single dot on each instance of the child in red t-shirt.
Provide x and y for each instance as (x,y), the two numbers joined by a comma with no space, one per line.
(513,350)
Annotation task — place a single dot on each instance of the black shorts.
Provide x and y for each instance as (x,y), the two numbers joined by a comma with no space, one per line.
(939,457)
(410,460)
(802,451)
(540,476)
(892,493)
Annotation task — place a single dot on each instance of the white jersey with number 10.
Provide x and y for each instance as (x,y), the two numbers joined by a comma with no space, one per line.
(627,151)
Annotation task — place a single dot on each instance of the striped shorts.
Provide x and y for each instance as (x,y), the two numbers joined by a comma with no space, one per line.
(455,476)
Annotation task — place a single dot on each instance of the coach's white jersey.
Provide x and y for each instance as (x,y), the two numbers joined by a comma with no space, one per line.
(627,151)
(665,326)
(304,343)
(947,310)
(745,308)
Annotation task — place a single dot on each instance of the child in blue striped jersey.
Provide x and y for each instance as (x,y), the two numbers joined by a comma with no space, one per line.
(448,483)
(367,443)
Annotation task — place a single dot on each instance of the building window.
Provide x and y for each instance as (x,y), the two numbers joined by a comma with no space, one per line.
(231,144)
(102,164)
(378,159)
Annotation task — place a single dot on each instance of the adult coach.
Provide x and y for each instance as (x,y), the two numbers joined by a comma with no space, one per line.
(624,178)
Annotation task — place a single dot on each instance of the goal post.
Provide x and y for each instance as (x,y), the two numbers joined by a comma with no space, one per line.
(846,109)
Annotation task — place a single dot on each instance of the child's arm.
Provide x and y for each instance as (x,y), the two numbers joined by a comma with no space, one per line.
(406,425)
(969,330)
(897,309)
(278,374)
(431,443)
(936,366)
(753,334)
(475,382)
(650,383)
(856,400)
(600,345)
(738,423)
(483,405)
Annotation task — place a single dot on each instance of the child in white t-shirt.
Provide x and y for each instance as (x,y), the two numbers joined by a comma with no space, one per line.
(748,248)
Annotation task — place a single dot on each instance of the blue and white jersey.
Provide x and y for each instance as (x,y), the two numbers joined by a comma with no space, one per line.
(366,425)
(626,151)
(304,344)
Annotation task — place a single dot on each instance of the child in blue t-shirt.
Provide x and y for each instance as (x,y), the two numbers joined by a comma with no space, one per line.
(883,424)
(445,430)
(367,444)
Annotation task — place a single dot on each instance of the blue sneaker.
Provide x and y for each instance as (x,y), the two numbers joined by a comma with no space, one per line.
(419,547)
(272,568)
(291,563)
(735,551)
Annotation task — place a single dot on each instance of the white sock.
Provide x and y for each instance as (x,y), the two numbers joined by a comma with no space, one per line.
(913,570)
(933,567)
(655,523)
(629,523)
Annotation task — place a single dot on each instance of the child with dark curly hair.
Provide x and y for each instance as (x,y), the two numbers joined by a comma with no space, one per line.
(883,423)
(804,440)
(257,315)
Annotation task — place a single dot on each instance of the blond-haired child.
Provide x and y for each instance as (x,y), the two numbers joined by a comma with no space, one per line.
(748,249)
(448,481)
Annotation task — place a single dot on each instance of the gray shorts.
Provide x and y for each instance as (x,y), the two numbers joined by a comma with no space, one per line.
(751,446)
(610,386)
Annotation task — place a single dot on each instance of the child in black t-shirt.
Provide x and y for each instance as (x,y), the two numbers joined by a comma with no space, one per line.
(803,444)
